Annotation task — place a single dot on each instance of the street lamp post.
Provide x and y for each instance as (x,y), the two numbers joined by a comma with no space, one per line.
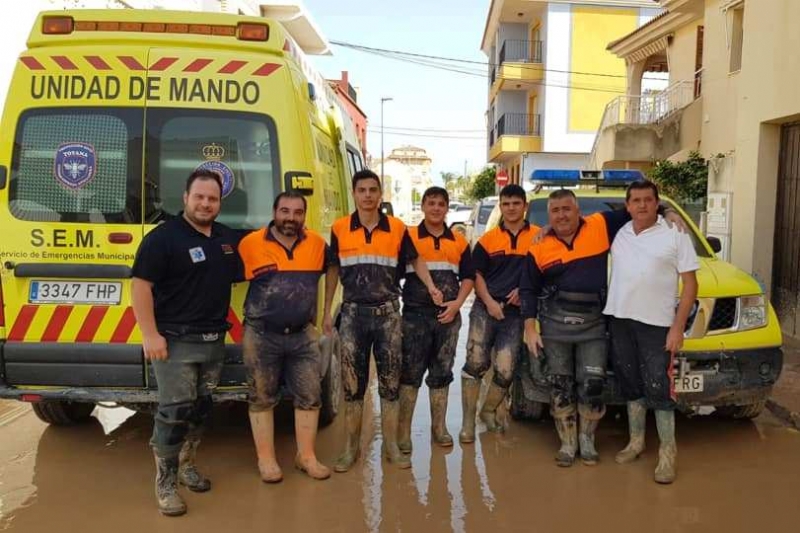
(383,100)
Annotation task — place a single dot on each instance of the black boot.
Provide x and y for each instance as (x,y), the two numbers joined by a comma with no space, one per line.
(188,475)
(170,502)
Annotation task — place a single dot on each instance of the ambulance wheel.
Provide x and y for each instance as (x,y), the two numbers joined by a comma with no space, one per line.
(332,382)
(751,410)
(63,413)
(521,408)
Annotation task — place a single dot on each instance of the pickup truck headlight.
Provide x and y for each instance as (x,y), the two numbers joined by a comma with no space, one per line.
(752,312)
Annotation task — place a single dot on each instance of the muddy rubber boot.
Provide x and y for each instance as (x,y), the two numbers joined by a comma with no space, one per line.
(170,502)
(262,424)
(568,433)
(390,412)
(470,389)
(666,470)
(188,475)
(588,421)
(352,425)
(439,431)
(637,417)
(408,399)
(494,396)
(306,423)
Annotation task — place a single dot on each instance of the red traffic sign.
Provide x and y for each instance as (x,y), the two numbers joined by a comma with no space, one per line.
(502,178)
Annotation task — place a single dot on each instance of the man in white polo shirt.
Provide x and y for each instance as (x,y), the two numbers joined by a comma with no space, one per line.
(647,258)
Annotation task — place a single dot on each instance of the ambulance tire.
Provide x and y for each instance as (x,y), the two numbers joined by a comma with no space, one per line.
(332,382)
(748,411)
(63,413)
(521,408)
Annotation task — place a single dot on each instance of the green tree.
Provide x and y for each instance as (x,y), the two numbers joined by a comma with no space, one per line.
(686,181)
(482,185)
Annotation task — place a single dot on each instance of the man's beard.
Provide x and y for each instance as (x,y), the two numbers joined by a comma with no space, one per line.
(288,229)
(199,222)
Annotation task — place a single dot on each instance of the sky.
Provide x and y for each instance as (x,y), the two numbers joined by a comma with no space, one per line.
(423,98)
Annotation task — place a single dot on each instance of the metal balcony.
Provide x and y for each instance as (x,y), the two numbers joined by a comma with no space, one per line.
(516,51)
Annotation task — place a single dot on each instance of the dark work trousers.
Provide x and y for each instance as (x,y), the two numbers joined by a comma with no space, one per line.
(377,330)
(428,346)
(487,333)
(186,380)
(642,366)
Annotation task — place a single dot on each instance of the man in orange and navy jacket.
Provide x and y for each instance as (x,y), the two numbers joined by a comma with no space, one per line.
(371,250)
(495,322)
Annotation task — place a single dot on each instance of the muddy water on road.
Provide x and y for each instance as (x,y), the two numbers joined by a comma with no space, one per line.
(733,476)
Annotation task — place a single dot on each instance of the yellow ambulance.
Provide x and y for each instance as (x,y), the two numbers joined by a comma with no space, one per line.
(107,114)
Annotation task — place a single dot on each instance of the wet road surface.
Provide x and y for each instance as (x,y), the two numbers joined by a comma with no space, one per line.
(733,476)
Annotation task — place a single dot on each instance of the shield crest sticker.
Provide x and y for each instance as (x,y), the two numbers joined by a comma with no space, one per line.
(75,164)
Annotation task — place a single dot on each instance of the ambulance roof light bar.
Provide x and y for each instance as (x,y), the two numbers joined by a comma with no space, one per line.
(610,178)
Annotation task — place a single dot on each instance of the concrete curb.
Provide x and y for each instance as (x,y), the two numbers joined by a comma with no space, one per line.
(790,418)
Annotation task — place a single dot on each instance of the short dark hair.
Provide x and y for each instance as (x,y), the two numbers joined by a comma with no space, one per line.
(203,174)
(560,194)
(289,194)
(641,186)
(513,191)
(365,174)
(435,191)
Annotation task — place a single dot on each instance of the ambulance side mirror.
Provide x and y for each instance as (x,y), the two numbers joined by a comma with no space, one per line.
(715,243)
(3,177)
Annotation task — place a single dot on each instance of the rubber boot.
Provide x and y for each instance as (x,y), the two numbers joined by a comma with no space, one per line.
(352,413)
(567,429)
(188,475)
(390,412)
(589,420)
(305,429)
(470,389)
(494,396)
(170,502)
(438,398)
(637,417)
(667,467)
(408,399)
(262,424)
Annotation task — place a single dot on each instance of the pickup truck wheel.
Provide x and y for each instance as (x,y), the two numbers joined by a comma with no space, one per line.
(332,382)
(521,408)
(751,410)
(63,413)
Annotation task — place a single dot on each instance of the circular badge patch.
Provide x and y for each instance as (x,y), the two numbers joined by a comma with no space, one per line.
(223,170)
(75,164)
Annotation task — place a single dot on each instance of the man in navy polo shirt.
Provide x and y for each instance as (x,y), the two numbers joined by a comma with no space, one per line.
(181,293)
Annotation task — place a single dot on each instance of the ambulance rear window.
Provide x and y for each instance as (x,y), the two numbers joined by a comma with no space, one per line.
(241,147)
(77,165)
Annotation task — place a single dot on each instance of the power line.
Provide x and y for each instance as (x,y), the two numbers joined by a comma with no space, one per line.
(431,135)
(473,62)
(432,130)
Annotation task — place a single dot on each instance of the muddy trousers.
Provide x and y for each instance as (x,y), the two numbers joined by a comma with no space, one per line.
(185,381)
(487,333)
(428,346)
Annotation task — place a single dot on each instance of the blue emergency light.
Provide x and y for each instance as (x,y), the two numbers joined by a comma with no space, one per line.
(576,177)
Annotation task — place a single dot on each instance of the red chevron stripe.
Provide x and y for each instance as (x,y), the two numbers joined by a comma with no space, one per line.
(92,323)
(231,67)
(97,62)
(22,323)
(64,62)
(125,327)
(163,64)
(197,65)
(56,324)
(236,326)
(266,69)
(131,63)
(31,63)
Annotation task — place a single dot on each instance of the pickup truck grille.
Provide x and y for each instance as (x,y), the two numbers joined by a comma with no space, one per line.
(724,315)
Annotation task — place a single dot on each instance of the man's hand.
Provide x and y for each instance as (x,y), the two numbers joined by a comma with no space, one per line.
(436,295)
(512,298)
(451,309)
(327,324)
(541,235)
(532,338)
(674,340)
(495,310)
(674,220)
(155,347)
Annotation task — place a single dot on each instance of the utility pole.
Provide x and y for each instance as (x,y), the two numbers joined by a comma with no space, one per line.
(383,100)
